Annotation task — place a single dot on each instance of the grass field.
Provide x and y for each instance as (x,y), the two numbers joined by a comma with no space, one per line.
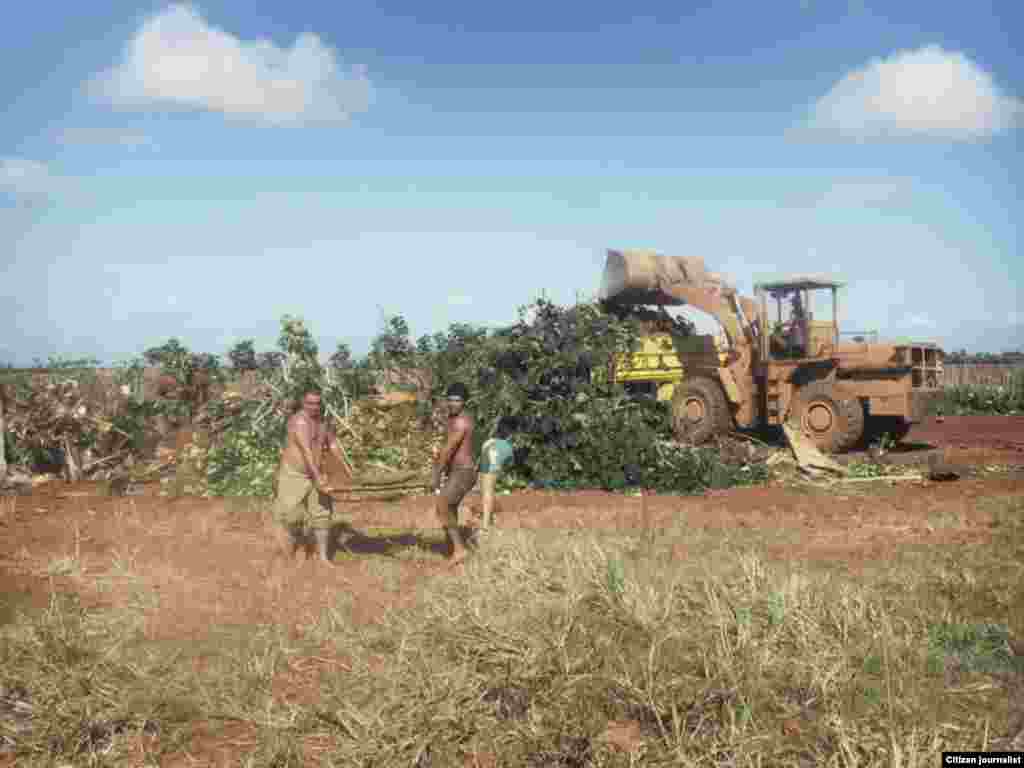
(656,641)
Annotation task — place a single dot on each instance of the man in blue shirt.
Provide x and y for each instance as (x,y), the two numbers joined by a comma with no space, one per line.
(495,454)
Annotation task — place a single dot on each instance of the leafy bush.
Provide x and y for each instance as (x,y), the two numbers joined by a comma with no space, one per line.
(245,456)
(985,399)
(243,356)
(547,372)
(133,419)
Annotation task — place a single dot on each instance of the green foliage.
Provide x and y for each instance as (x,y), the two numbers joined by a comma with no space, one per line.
(985,399)
(131,373)
(342,357)
(171,355)
(574,428)
(29,453)
(65,363)
(392,345)
(247,453)
(245,459)
(962,357)
(866,469)
(972,647)
(271,360)
(133,419)
(387,455)
(300,351)
(175,359)
(243,356)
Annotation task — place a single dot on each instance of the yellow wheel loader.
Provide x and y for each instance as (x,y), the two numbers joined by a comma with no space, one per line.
(788,370)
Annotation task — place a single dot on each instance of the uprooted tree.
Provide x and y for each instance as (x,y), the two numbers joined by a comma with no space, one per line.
(249,432)
(185,376)
(547,372)
(575,427)
(55,420)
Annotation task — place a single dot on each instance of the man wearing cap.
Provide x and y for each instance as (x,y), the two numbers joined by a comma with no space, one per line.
(456,461)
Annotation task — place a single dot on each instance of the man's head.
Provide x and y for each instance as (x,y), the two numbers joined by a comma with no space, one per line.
(311,402)
(457,395)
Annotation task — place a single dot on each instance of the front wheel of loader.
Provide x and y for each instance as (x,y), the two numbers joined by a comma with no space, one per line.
(895,426)
(699,411)
(834,424)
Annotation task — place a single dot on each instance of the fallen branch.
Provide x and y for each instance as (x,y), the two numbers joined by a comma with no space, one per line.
(70,464)
(97,462)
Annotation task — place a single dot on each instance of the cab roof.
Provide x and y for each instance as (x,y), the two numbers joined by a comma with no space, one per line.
(802,282)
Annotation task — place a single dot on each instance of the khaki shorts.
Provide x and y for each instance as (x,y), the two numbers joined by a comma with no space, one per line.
(460,482)
(298,502)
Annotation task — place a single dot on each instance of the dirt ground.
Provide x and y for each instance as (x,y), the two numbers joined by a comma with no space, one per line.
(210,561)
(974,439)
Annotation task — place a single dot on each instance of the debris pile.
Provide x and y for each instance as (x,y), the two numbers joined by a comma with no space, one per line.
(392,433)
(56,420)
(388,443)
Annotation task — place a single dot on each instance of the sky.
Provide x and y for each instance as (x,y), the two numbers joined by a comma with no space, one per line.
(198,171)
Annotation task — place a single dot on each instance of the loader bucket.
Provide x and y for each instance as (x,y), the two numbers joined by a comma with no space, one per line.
(636,277)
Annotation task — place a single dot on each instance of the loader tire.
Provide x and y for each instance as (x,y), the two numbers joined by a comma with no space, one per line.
(699,411)
(895,426)
(834,424)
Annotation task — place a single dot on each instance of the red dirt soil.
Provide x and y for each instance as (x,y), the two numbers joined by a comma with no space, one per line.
(204,563)
(974,439)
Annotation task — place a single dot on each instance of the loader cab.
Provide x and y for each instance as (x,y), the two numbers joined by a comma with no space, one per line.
(798,318)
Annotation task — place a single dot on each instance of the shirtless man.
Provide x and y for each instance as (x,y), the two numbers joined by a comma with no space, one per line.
(302,491)
(455,460)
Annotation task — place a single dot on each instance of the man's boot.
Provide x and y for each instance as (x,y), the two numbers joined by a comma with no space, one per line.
(323,544)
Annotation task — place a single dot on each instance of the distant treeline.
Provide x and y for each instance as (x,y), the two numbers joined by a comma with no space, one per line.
(963,357)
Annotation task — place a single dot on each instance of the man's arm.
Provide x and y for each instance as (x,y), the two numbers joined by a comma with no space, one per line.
(335,448)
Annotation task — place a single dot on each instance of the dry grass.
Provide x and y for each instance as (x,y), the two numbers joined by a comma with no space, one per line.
(721,660)
(566,649)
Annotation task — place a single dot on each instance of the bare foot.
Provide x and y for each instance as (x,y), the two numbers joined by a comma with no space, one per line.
(286,544)
(458,558)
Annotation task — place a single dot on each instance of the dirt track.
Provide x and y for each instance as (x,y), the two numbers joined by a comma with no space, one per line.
(974,438)
(223,548)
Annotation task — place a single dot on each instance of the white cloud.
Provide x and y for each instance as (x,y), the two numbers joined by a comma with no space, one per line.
(177,59)
(925,93)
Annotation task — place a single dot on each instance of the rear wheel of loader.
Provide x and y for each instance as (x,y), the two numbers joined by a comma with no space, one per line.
(832,423)
(699,411)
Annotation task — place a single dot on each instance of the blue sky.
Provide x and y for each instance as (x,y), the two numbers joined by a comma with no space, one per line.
(200,170)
